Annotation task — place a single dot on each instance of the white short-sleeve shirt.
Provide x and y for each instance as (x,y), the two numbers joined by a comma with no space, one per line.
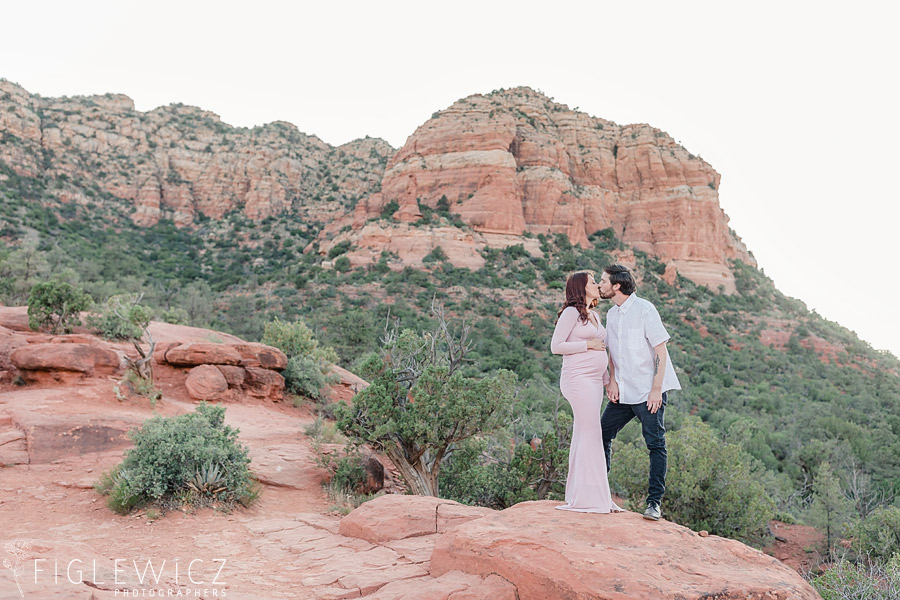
(633,330)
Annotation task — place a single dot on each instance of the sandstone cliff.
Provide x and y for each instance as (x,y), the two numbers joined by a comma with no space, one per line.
(499,166)
(514,162)
(180,162)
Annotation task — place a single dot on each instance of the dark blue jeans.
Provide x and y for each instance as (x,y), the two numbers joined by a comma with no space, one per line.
(617,415)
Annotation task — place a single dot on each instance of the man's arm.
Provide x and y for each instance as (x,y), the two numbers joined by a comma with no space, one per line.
(654,401)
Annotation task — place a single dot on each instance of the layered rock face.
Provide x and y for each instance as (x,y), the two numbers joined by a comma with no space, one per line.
(180,162)
(497,166)
(515,162)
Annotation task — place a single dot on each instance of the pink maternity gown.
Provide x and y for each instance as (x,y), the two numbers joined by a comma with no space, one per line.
(584,374)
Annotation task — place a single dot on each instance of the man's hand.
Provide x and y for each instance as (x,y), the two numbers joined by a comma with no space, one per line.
(612,391)
(654,401)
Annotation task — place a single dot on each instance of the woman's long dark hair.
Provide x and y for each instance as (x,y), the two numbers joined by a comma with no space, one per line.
(575,296)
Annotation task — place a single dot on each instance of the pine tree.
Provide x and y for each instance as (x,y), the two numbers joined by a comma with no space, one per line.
(830,510)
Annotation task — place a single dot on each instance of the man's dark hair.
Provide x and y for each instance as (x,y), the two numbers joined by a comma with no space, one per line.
(621,275)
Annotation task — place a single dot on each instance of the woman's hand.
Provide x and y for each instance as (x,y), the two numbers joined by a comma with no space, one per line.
(596,344)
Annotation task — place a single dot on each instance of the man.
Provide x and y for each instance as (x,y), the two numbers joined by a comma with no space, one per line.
(640,375)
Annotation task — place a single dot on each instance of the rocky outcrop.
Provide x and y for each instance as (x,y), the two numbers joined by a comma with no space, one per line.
(547,553)
(228,371)
(180,162)
(58,361)
(532,551)
(410,244)
(515,162)
(234,370)
(495,166)
(261,355)
(347,386)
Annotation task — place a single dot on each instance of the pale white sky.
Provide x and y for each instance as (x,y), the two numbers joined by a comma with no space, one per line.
(794,103)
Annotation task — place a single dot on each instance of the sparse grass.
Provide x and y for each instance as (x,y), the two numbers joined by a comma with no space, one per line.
(344,502)
(152,514)
(137,385)
(324,431)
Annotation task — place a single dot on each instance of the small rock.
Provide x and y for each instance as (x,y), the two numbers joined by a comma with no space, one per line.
(374,475)
(703,533)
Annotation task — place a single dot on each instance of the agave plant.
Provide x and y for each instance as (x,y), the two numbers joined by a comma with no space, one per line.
(209,480)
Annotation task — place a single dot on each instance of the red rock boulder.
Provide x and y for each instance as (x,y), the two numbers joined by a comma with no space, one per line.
(205,382)
(37,361)
(261,355)
(202,353)
(396,517)
(235,376)
(263,383)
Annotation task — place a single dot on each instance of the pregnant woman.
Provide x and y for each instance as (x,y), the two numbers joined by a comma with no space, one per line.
(580,338)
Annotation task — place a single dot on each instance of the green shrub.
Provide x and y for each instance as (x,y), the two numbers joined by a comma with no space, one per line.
(339,248)
(710,484)
(296,339)
(349,474)
(303,376)
(436,255)
(846,580)
(878,535)
(419,404)
(192,458)
(474,476)
(308,362)
(830,509)
(479,474)
(134,383)
(342,264)
(56,305)
(176,316)
(389,209)
(121,318)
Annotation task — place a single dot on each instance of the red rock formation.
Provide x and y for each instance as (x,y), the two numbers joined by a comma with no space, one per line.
(56,360)
(263,383)
(514,161)
(347,386)
(547,553)
(181,162)
(507,163)
(261,355)
(202,353)
(231,371)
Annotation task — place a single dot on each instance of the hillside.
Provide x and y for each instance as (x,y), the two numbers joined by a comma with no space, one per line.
(61,429)
(485,209)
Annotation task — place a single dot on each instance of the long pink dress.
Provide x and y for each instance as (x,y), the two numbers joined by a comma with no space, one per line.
(584,374)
